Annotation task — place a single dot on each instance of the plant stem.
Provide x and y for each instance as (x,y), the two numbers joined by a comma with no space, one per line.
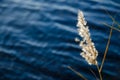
(79,74)
(106,50)
(99,72)
(111,27)
(94,74)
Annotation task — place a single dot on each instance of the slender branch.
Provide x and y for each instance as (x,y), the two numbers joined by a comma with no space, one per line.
(113,19)
(117,24)
(79,74)
(106,50)
(94,74)
(111,27)
(99,72)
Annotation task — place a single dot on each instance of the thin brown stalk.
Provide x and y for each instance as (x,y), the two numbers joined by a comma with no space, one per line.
(117,24)
(99,72)
(94,74)
(79,74)
(113,19)
(106,50)
(109,15)
(111,27)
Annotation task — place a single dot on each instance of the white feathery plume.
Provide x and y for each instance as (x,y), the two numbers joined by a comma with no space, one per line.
(89,51)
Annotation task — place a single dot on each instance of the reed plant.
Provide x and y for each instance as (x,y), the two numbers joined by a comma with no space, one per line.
(89,52)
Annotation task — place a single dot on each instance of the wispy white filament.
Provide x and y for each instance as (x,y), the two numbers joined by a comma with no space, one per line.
(89,51)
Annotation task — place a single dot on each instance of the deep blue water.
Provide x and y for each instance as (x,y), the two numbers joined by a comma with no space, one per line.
(37,39)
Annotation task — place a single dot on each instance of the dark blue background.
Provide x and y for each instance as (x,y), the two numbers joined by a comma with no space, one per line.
(37,39)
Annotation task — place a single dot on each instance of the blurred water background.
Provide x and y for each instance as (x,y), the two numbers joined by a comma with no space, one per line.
(37,39)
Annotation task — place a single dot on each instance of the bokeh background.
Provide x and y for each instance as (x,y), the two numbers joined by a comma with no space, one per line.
(37,39)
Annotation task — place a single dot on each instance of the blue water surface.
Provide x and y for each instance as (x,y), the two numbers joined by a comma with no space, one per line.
(37,39)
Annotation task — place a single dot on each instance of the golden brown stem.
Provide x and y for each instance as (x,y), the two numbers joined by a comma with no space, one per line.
(79,74)
(106,50)
(111,27)
(94,74)
(99,72)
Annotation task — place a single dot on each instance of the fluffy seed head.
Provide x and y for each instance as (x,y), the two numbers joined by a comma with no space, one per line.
(89,51)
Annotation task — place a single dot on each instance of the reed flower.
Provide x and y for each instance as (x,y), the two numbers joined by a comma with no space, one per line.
(89,51)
